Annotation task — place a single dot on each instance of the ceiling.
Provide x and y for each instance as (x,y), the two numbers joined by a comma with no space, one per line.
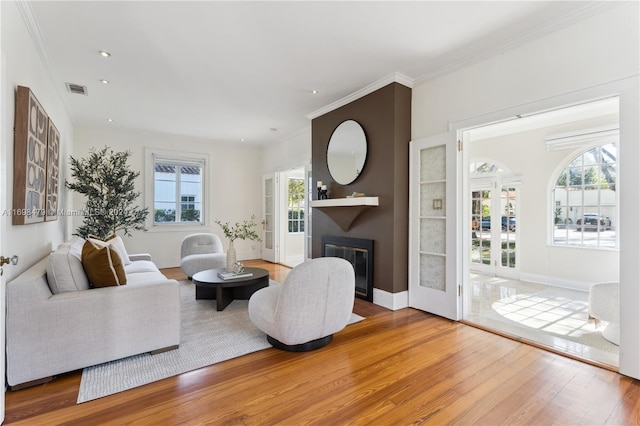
(243,72)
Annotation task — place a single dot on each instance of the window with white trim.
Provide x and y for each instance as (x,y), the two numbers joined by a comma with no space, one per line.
(584,200)
(177,191)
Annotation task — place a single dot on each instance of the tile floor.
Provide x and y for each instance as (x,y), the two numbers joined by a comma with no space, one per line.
(550,316)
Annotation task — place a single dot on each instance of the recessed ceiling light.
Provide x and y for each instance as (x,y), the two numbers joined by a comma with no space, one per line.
(104,81)
(105,53)
(314,92)
(242,140)
(273,129)
(110,120)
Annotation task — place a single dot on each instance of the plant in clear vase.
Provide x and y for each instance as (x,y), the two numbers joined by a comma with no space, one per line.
(240,230)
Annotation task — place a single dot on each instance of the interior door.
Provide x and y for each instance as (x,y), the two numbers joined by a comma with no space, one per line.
(308,211)
(2,325)
(269,218)
(434,246)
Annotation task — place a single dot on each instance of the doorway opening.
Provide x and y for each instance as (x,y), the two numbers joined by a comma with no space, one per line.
(285,222)
(293,233)
(535,185)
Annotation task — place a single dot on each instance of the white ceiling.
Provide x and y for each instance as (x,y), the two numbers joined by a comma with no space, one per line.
(227,71)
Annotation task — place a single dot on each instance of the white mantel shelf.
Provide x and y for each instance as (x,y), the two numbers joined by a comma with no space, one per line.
(346,202)
(344,211)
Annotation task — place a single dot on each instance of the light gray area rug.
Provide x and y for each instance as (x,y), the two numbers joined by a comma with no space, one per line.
(208,337)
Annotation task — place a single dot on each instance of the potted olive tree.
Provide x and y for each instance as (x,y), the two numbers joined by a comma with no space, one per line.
(108,183)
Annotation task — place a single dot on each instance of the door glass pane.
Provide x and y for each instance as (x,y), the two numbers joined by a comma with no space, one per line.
(481,227)
(433,164)
(432,199)
(268,208)
(432,271)
(432,236)
(432,217)
(508,227)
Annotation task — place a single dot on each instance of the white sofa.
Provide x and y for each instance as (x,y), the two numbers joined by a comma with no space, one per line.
(52,328)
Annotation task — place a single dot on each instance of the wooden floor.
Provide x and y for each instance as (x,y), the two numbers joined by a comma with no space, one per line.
(393,368)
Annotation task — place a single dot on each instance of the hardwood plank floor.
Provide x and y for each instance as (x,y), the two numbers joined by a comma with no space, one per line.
(395,367)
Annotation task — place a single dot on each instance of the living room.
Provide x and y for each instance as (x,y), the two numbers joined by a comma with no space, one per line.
(593,57)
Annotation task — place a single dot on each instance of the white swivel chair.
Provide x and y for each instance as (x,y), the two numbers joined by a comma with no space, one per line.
(315,301)
(200,252)
(604,304)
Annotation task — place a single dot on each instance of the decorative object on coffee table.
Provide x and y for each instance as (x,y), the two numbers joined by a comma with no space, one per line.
(241,230)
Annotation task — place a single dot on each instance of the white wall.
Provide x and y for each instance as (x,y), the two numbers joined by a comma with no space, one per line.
(21,66)
(525,155)
(596,51)
(288,153)
(233,189)
(594,58)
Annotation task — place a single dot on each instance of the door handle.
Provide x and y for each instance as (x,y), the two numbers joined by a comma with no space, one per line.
(6,260)
(264,224)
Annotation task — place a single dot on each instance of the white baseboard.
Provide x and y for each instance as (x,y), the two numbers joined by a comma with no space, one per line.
(393,301)
(556,282)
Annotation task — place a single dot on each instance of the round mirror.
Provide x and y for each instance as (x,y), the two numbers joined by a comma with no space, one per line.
(347,152)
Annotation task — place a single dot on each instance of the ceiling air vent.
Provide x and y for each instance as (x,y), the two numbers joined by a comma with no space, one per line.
(77,89)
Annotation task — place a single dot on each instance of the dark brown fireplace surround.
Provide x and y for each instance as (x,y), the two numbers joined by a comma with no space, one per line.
(385,116)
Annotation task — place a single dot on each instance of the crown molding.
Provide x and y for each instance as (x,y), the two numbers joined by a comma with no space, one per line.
(33,29)
(559,23)
(395,77)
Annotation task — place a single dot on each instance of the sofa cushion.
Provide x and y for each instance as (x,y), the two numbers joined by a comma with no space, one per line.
(145,278)
(65,272)
(116,242)
(102,264)
(140,266)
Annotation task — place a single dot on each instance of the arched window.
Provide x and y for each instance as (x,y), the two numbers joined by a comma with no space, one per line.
(585,206)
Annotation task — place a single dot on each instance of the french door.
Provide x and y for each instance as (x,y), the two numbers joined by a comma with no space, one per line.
(494,227)
(434,218)
(270,226)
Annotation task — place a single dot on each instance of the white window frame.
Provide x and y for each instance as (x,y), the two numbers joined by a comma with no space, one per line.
(200,159)
(553,204)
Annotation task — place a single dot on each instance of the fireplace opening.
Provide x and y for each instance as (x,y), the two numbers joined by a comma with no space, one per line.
(359,252)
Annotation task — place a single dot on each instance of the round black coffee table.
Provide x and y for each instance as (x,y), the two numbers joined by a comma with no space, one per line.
(210,286)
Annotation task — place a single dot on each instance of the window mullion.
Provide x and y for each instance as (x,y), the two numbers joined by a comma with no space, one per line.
(178,194)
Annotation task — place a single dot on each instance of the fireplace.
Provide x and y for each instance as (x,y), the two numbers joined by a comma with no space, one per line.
(359,252)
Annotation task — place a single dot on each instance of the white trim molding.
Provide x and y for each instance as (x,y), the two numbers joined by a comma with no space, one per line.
(395,77)
(393,301)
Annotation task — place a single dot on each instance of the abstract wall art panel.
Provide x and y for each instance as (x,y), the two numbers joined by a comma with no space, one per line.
(29,159)
(53,171)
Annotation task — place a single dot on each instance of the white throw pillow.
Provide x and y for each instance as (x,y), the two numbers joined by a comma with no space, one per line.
(75,248)
(65,271)
(116,244)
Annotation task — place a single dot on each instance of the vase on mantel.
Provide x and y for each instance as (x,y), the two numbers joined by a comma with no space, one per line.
(231,256)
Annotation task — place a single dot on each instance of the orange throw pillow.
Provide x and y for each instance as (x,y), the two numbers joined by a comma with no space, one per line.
(102,264)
